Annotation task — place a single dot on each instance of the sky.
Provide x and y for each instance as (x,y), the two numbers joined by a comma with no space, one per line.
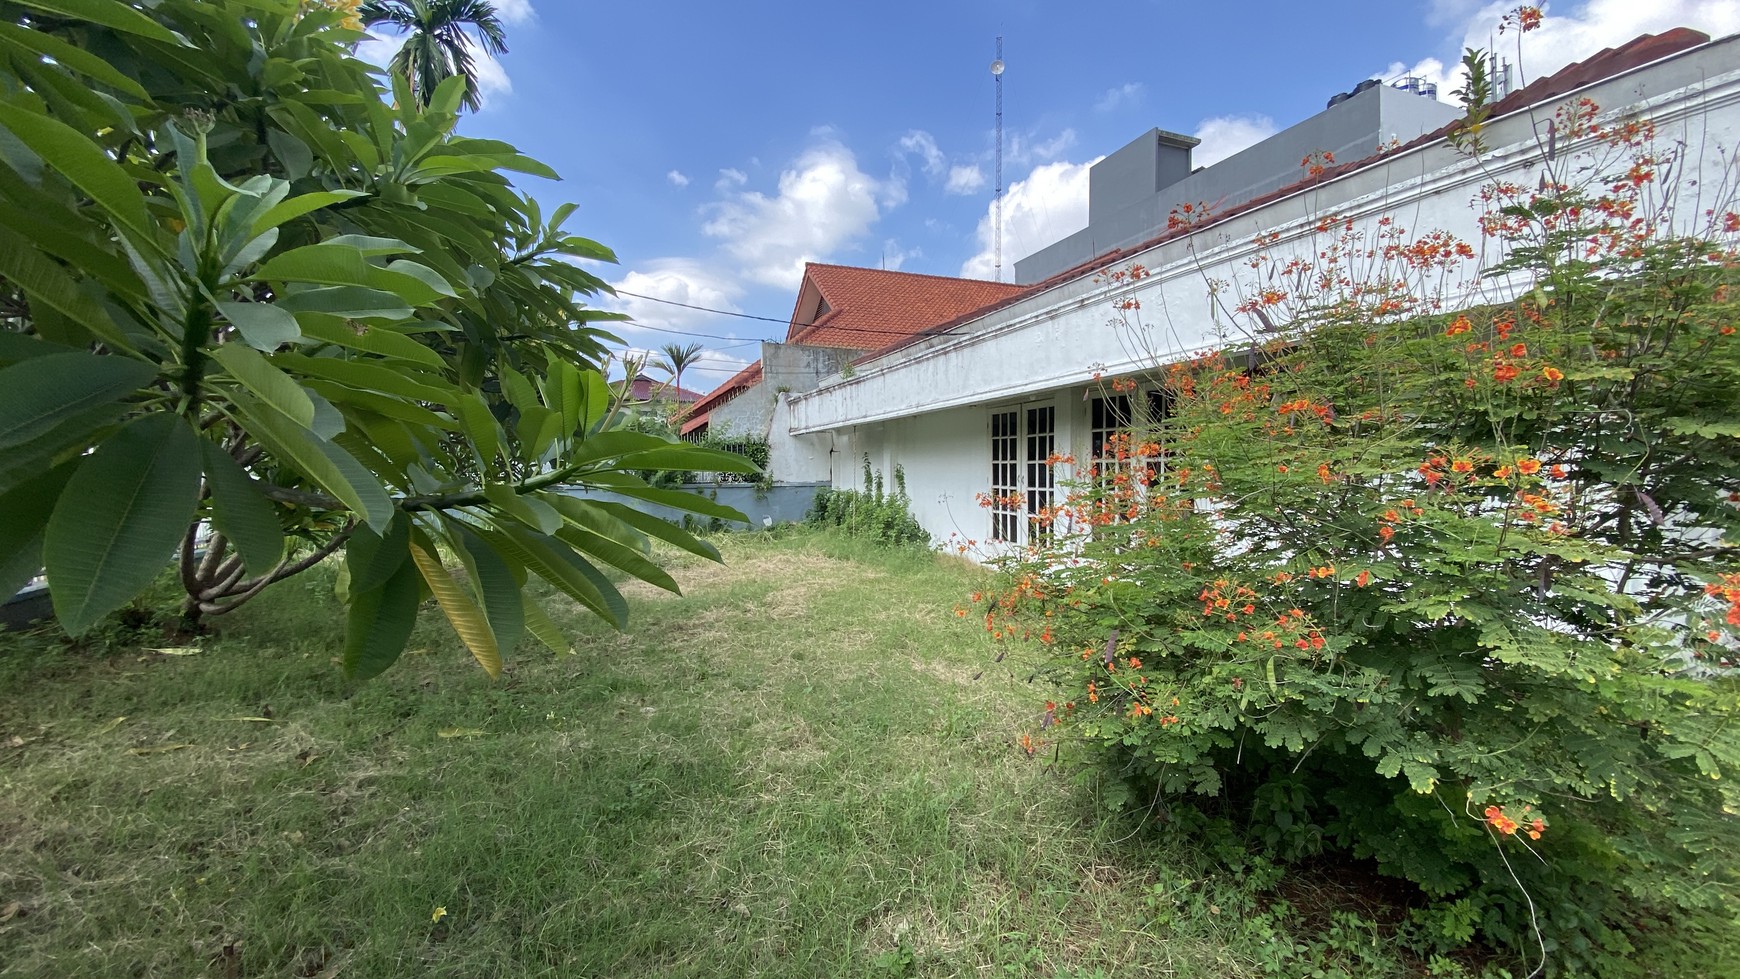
(718,147)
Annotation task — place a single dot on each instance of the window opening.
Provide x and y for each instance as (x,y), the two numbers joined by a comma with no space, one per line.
(1041,478)
(1005,476)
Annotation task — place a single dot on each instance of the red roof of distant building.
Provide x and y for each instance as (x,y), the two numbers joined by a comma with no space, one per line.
(644,388)
(869,307)
(736,384)
(865,309)
(1602,65)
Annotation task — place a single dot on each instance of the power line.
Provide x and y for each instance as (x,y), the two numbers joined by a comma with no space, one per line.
(700,367)
(713,370)
(704,309)
(690,333)
(751,316)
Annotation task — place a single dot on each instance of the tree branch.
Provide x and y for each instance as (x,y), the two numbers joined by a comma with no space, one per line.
(248,589)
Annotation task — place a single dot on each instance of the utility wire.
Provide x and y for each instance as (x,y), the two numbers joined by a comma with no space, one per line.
(691,333)
(704,309)
(752,316)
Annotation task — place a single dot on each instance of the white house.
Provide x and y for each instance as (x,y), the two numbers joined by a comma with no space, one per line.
(841,314)
(978,404)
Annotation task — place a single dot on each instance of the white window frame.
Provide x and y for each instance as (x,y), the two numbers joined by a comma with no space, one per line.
(1023,441)
(1141,409)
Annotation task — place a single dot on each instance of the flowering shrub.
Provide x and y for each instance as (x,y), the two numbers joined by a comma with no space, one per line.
(1456,591)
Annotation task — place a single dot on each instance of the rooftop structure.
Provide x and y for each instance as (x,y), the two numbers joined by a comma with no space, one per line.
(1132,192)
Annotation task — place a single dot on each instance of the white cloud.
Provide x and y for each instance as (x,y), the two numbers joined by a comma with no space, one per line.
(1598,24)
(894,256)
(1222,136)
(1431,70)
(965,180)
(1023,149)
(730,177)
(924,144)
(692,282)
(676,280)
(514,12)
(1129,93)
(1569,34)
(492,78)
(824,202)
(1049,204)
(677,178)
(378,49)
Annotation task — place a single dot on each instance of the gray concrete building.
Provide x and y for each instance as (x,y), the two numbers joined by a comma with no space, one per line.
(1132,192)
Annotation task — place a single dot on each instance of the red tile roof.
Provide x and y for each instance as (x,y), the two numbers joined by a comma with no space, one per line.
(870,307)
(645,388)
(867,308)
(1604,64)
(736,384)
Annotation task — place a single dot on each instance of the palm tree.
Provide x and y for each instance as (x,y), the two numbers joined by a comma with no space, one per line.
(439,35)
(678,357)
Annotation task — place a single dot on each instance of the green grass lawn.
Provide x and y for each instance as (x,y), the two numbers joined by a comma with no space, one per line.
(804,767)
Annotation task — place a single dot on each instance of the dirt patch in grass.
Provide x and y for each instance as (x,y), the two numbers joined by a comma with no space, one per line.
(955,672)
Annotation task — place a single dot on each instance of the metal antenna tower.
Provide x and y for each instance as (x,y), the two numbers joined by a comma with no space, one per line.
(997,232)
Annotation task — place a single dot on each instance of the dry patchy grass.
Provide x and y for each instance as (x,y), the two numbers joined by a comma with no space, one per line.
(803,767)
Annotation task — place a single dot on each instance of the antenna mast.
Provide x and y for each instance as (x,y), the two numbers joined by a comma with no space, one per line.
(997,233)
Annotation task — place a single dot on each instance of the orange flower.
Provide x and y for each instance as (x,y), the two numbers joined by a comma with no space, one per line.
(1386,533)
(1362,579)
(1462,466)
(1528,467)
(1496,818)
(1519,350)
(1460,326)
(1553,374)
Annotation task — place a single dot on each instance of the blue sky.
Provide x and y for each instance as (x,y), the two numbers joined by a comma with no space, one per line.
(716,147)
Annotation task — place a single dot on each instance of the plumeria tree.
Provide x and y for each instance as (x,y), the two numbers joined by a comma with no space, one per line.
(1454,590)
(258,311)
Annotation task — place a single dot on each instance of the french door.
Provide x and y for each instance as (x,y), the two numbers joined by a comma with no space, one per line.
(1023,482)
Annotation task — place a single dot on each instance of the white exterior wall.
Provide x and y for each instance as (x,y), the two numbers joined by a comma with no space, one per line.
(796,458)
(947,459)
(926,406)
